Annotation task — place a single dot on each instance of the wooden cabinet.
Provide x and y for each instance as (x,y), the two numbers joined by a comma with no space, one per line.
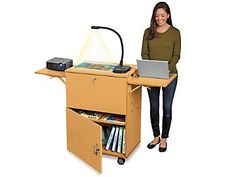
(102,93)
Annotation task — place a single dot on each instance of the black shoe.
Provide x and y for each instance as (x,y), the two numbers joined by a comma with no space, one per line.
(163,149)
(151,146)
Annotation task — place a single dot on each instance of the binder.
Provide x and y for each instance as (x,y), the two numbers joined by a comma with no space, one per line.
(109,143)
(115,140)
(123,145)
(120,140)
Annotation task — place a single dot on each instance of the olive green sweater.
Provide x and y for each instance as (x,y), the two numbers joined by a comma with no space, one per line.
(164,46)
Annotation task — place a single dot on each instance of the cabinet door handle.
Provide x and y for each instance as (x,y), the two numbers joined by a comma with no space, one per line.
(96,149)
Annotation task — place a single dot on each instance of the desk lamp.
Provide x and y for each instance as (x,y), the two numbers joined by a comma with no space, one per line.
(119,68)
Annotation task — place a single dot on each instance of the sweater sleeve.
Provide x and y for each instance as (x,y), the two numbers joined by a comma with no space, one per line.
(145,50)
(176,52)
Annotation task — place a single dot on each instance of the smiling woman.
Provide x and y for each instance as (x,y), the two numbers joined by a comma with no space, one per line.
(161,41)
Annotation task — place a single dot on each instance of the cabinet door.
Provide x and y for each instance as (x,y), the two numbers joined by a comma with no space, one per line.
(98,93)
(84,139)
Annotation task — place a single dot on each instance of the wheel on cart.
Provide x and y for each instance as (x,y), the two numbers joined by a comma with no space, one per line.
(120,161)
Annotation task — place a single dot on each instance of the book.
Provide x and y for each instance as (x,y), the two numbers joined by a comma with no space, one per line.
(105,134)
(96,66)
(115,139)
(117,119)
(119,146)
(105,116)
(123,143)
(109,142)
(93,115)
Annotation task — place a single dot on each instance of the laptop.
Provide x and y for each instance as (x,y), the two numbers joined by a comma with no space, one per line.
(153,69)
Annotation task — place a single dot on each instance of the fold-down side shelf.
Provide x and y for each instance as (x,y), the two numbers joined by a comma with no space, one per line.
(52,73)
(150,82)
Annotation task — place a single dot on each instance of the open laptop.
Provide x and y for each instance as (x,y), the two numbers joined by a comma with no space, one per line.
(153,68)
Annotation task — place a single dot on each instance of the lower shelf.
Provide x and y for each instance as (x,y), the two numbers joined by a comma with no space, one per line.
(114,141)
(109,152)
(90,140)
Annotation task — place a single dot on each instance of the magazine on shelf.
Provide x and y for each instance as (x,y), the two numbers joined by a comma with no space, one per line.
(117,119)
(93,115)
(96,66)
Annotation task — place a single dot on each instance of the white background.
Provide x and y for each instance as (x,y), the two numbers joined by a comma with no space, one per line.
(32,120)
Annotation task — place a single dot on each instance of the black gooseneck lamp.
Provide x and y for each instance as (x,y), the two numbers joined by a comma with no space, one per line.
(119,68)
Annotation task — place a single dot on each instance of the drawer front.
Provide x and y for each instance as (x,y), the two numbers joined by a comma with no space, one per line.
(98,93)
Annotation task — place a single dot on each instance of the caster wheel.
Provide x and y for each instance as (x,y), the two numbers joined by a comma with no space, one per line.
(120,161)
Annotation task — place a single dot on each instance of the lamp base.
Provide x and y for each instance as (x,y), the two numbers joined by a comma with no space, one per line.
(121,69)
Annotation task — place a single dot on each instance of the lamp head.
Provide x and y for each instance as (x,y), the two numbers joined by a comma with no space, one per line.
(95,27)
(119,68)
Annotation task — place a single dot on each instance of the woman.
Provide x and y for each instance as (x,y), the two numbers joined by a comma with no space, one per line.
(161,41)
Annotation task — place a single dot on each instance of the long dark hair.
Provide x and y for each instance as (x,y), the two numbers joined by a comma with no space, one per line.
(153,24)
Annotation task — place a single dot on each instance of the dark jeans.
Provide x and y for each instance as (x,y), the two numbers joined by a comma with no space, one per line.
(168,95)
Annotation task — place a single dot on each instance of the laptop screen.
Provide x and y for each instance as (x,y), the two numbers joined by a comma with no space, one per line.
(153,68)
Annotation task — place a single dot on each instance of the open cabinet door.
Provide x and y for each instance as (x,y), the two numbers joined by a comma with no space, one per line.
(84,139)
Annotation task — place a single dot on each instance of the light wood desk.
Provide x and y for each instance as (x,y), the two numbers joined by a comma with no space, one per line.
(102,92)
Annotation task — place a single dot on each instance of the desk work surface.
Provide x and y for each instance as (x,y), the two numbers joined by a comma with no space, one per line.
(132,80)
(150,82)
(54,73)
(100,73)
(49,72)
